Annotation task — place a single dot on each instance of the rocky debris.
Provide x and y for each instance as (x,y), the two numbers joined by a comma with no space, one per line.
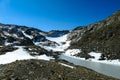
(46,70)
(36,50)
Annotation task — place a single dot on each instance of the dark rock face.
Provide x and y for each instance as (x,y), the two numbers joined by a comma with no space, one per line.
(39,38)
(25,42)
(36,50)
(5,49)
(103,36)
(57,33)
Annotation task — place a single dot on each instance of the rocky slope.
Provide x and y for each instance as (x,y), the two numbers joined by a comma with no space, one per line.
(103,37)
(47,70)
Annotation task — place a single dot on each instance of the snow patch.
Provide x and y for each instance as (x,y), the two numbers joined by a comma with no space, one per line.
(6,43)
(112,62)
(30,37)
(15,35)
(6,33)
(72,52)
(62,41)
(58,39)
(20,54)
(66,65)
(44,57)
(95,55)
(41,33)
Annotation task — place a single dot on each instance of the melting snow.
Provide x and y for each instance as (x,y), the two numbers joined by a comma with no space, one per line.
(44,57)
(19,54)
(58,39)
(62,41)
(27,35)
(72,52)
(95,55)
(6,33)
(66,65)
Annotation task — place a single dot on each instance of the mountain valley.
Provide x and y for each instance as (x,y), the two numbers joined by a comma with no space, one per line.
(31,54)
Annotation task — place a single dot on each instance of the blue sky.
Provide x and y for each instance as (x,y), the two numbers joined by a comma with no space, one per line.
(56,14)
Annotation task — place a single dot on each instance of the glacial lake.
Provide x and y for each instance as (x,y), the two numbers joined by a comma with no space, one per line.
(106,69)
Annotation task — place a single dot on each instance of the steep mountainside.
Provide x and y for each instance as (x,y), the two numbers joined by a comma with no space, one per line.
(103,37)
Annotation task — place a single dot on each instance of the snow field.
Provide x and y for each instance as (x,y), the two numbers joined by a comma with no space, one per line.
(20,54)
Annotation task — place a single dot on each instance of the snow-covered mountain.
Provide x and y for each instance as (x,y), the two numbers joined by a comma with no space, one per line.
(101,37)
(99,42)
(20,35)
(21,42)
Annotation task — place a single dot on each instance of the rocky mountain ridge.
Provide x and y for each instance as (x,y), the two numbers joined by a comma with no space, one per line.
(20,35)
(103,37)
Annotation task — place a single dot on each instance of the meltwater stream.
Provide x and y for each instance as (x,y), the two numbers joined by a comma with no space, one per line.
(107,69)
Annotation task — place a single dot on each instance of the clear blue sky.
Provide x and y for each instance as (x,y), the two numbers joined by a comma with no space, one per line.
(56,14)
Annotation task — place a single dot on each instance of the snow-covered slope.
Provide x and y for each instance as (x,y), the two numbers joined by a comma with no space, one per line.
(20,54)
(62,42)
(20,35)
(14,35)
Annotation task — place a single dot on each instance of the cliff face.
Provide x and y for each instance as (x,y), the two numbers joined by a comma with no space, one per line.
(103,36)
